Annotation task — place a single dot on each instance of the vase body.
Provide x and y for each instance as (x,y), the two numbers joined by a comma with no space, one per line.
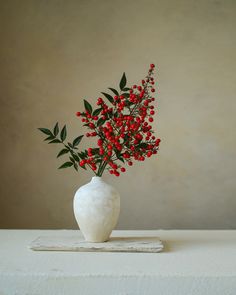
(96,209)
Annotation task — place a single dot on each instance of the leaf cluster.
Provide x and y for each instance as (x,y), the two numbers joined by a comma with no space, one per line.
(59,136)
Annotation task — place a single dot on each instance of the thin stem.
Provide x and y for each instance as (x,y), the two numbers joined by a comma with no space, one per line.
(103,168)
(99,169)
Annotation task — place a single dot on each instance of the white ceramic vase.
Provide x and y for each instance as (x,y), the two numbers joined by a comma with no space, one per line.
(96,209)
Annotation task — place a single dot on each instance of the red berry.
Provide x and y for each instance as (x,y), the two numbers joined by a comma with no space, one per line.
(91,125)
(157,142)
(150,119)
(82,163)
(99,101)
(149,153)
(114,166)
(100,142)
(153,89)
(122,169)
(78,114)
(139,88)
(126,155)
(101,151)
(130,163)
(152,112)
(152,66)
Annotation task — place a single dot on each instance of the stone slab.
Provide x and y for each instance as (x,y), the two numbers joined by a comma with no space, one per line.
(115,244)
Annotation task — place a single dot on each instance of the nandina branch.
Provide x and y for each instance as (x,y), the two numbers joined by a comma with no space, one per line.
(123,129)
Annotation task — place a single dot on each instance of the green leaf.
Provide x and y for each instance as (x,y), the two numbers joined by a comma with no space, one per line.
(88,106)
(114,91)
(143,145)
(77,140)
(123,82)
(62,152)
(100,122)
(55,141)
(121,159)
(95,151)
(56,129)
(126,89)
(51,137)
(75,157)
(70,145)
(45,131)
(126,95)
(81,155)
(128,103)
(76,166)
(66,165)
(97,112)
(63,133)
(72,160)
(108,96)
(115,114)
(126,137)
(118,155)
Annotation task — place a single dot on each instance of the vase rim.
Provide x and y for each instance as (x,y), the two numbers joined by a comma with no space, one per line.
(95,178)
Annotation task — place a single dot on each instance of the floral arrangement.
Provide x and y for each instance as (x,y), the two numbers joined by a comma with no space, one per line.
(122,126)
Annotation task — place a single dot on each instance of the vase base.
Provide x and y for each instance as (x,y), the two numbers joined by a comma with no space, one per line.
(94,241)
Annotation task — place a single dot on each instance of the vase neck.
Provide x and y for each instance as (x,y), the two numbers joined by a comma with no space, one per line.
(96,179)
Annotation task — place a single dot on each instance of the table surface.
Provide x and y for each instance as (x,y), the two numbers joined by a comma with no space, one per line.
(187,254)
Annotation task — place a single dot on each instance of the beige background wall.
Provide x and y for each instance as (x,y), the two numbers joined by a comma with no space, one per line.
(55,53)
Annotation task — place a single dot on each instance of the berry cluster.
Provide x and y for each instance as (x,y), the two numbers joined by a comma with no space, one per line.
(123,127)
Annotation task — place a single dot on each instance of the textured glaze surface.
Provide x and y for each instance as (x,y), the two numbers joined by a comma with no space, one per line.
(96,209)
(193,263)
